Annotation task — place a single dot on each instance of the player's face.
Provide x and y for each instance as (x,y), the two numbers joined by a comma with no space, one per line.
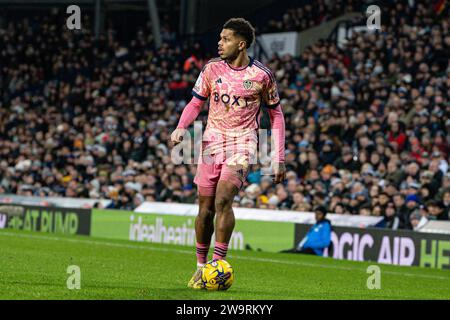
(229,45)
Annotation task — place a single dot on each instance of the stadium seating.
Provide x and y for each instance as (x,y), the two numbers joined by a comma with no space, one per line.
(366,125)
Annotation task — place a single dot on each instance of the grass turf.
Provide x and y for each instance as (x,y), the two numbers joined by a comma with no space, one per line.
(34,266)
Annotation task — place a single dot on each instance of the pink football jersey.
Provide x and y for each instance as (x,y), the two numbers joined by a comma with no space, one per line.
(235,95)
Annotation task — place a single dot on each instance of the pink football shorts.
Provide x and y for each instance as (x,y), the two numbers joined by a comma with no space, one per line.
(225,158)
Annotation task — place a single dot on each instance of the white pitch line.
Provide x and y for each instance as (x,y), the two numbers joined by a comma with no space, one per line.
(190,252)
(106,243)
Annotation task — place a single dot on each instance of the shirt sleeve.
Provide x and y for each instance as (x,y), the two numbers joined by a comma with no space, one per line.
(270,93)
(278,131)
(202,87)
(190,113)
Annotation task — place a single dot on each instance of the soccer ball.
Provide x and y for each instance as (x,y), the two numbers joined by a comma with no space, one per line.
(217,275)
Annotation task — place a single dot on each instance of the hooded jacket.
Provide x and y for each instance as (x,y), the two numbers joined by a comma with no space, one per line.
(318,237)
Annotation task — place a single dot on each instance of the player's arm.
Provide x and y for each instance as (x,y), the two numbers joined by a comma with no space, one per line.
(200,92)
(277,122)
(278,131)
(189,114)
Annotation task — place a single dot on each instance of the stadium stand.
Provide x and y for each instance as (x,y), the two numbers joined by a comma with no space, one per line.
(366,124)
(302,15)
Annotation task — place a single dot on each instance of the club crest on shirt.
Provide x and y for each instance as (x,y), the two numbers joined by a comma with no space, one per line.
(248,84)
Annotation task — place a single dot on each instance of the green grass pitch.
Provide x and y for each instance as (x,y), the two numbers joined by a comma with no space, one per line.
(34,266)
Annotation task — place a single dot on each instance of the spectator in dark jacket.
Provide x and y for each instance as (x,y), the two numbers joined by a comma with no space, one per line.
(436,210)
(390,220)
(402,211)
(346,161)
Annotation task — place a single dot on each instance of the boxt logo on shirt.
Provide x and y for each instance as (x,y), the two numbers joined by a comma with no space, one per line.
(233,99)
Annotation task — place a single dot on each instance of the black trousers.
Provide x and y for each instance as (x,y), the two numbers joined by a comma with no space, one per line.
(304,251)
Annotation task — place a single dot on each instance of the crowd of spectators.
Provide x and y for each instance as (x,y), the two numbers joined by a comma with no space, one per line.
(91,118)
(311,14)
(366,125)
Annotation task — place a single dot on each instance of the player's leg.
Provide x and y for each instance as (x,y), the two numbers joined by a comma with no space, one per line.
(204,227)
(232,178)
(225,221)
(206,180)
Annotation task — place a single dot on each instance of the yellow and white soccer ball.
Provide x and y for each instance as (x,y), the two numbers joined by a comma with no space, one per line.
(217,275)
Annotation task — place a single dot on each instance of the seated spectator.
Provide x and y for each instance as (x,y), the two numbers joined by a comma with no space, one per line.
(417,220)
(390,220)
(365,210)
(436,210)
(446,203)
(318,237)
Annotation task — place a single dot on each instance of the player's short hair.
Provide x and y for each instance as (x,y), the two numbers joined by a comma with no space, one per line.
(242,28)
